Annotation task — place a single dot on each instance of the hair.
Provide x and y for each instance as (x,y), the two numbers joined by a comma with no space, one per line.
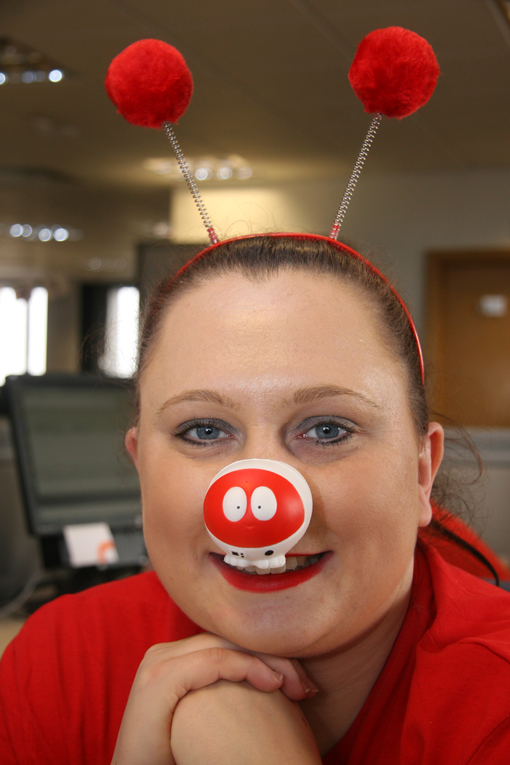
(261,257)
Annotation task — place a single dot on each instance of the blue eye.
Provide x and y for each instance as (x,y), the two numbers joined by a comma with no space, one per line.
(325,432)
(206,433)
(202,433)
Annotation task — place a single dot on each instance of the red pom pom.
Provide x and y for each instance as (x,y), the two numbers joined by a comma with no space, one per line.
(394,72)
(149,83)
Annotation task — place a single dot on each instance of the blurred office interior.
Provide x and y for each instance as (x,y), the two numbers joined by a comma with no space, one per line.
(93,210)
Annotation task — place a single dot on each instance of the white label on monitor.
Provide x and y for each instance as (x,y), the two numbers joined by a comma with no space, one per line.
(90,544)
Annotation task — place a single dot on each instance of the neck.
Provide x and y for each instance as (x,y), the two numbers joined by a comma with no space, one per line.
(346,677)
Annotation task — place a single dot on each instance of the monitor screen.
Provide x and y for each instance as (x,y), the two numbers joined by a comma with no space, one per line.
(68,432)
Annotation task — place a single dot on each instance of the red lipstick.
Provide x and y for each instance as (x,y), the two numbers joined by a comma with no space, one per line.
(267,582)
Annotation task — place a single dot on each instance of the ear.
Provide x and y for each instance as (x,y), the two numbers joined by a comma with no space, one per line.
(131,443)
(429,460)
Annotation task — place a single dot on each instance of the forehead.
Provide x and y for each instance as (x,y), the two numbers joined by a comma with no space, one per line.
(296,325)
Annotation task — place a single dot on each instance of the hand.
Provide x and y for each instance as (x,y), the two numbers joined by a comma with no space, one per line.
(170,670)
(232,723)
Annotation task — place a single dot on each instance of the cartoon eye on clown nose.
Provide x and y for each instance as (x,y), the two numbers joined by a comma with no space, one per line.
(256,510)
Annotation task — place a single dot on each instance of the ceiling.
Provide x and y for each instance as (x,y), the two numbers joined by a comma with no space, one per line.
(270,85)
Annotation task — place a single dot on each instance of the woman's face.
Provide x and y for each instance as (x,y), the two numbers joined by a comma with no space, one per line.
(290,369)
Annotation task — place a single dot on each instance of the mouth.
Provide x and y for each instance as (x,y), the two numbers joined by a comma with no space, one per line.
(297,569)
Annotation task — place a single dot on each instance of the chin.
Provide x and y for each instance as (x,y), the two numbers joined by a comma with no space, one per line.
(270,631)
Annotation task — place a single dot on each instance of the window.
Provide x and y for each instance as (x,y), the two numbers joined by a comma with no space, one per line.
(122,309)
(23,332)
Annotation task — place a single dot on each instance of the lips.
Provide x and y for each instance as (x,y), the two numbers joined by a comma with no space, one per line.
(270,582)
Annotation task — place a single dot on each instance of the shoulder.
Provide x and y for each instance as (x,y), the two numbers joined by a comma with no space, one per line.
(65,679)
(461,675)
(442,696)
(468,610)
(105,601)
(103,616)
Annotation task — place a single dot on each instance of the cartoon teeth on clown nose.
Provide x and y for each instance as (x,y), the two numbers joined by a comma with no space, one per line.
(256,510)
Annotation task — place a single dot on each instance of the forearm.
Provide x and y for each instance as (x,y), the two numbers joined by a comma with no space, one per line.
(232,723)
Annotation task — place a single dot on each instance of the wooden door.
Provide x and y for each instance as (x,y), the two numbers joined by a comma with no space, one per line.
(468,336)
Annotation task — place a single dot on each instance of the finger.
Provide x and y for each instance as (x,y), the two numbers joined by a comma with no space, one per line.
(296,684)
(207,666)
(190,645)
(308,684)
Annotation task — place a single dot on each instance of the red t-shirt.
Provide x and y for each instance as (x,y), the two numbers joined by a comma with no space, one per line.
(443,697)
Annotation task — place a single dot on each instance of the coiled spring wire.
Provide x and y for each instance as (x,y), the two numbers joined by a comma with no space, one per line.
(167,127)
(367,143)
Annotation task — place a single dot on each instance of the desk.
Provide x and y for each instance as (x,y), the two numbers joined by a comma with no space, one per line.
(9,628)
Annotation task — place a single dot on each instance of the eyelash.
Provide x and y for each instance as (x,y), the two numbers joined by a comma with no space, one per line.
(183,430)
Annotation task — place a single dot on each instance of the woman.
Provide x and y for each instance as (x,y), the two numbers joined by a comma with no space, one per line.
(374,650)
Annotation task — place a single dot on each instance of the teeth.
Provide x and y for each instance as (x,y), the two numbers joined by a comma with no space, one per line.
(292,563)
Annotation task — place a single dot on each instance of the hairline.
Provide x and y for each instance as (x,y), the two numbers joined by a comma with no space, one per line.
(265,275)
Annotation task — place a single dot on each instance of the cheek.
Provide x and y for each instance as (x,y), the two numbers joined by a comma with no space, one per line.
(172,513)
(373,501)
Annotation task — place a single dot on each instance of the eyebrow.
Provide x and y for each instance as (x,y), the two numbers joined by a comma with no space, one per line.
(200,395)
(303,396)
(308,395)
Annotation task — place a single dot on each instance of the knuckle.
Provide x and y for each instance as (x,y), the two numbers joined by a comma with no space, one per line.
(159,651)
(222,656)
(157,662)
(207,639)
(217,654)
(151,673)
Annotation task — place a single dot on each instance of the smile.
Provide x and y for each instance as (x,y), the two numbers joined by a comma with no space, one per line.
(298,569)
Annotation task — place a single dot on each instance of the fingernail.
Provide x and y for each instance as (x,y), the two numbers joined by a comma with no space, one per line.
(278,675)
(311,688)
(309,692)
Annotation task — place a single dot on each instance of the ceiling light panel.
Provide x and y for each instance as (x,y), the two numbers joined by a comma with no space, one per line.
(231,167)
(22,65)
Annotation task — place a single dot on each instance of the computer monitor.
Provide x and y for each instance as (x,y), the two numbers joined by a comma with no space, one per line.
(68,433)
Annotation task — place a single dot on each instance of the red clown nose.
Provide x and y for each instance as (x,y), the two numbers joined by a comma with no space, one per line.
(256,510)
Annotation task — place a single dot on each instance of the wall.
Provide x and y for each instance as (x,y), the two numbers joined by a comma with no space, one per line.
(64,330)
(106,226)
(396,218)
